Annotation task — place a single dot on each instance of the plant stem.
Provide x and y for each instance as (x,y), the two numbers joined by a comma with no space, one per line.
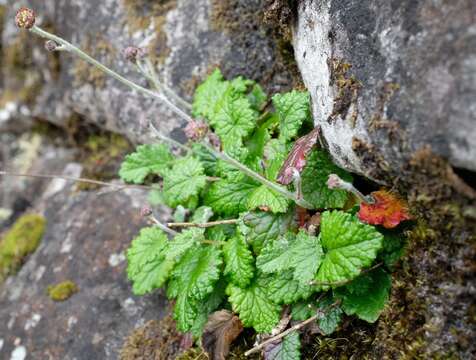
(162,226)
(281,335)
(70,178)
(73,49)
(161,97)
(204,225)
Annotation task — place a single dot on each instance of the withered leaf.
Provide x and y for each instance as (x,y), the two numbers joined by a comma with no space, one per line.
(296,159)
(388,210)
(222,328)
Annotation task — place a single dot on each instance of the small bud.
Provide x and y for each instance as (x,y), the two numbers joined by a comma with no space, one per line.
(25,18)
(145,211)
(133,53)
(214,140)
(334,182)
(51,45)
(196,130)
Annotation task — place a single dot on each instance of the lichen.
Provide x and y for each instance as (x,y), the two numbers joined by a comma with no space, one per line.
(62,291)
(20,241)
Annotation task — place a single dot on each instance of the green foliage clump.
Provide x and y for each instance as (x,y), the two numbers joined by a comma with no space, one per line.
(263,260)
(21,240)
(62,291)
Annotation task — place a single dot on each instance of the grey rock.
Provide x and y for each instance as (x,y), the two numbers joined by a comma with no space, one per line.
(189,39)
(85,242)
(411,82)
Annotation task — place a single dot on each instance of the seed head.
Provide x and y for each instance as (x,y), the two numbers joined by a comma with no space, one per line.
(133,53)
(51,45)
(25,18)
(196,130)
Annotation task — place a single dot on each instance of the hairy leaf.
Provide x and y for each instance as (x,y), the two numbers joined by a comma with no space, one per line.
(349,247)
(293,110)
(184,181)
(302,253)
(257,97)
(254,306)
(193,279)
(302,310)
(202,215)
(207,306)
(314,182)
(275,155)
(147,159)
(229,198)
(208,94)
(296,159)
(287,348)
(330,315)
(366,296)
(184,241)
(283,288)
(260,227)
(239,261)
(388,210)
(264,197)
(147,265)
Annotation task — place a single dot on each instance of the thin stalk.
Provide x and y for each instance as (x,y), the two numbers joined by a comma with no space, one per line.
(162,226)
(203,225)
(75,179)
(73,49)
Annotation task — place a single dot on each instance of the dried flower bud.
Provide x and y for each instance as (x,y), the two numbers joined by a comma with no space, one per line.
(196,130)
(51,45)
(133,53)
(145,211)
(334,182)
(214,140)
(25,18)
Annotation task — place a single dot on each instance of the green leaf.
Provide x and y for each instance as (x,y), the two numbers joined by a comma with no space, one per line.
(147,266)
(330,315)
(228,198)
(349,246)
(287,349)
(193,279)
(302,310)
(314,182)
(257,97)
(147,159)
(254,306)
(302,253)
(184,181)
(184,241)
(180,214)
(233,120)
(283,288)
(259,227)
(263,196)
(275,153)
(240,84)
(239,261)
(208,94)
(208,160)
(393,248)
(293,110)
(202,215)
(367,295)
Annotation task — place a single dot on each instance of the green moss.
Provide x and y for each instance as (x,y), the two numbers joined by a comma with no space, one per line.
(21,240)
(62,291)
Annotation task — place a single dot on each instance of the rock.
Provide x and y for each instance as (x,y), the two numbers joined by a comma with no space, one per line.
(186,40)
(391,77)
(85,243)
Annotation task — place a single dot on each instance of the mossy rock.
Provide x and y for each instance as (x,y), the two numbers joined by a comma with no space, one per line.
(20,241)
(62,291)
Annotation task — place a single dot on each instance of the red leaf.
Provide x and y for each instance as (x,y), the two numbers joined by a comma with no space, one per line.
(388,210)
(297,157)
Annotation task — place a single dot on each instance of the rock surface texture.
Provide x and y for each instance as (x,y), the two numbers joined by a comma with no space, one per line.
(391,77)
(186,40)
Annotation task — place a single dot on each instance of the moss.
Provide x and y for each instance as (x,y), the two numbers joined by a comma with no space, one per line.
(100,155)
(347,90)
(62,291)
(21,240)
(154,340)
